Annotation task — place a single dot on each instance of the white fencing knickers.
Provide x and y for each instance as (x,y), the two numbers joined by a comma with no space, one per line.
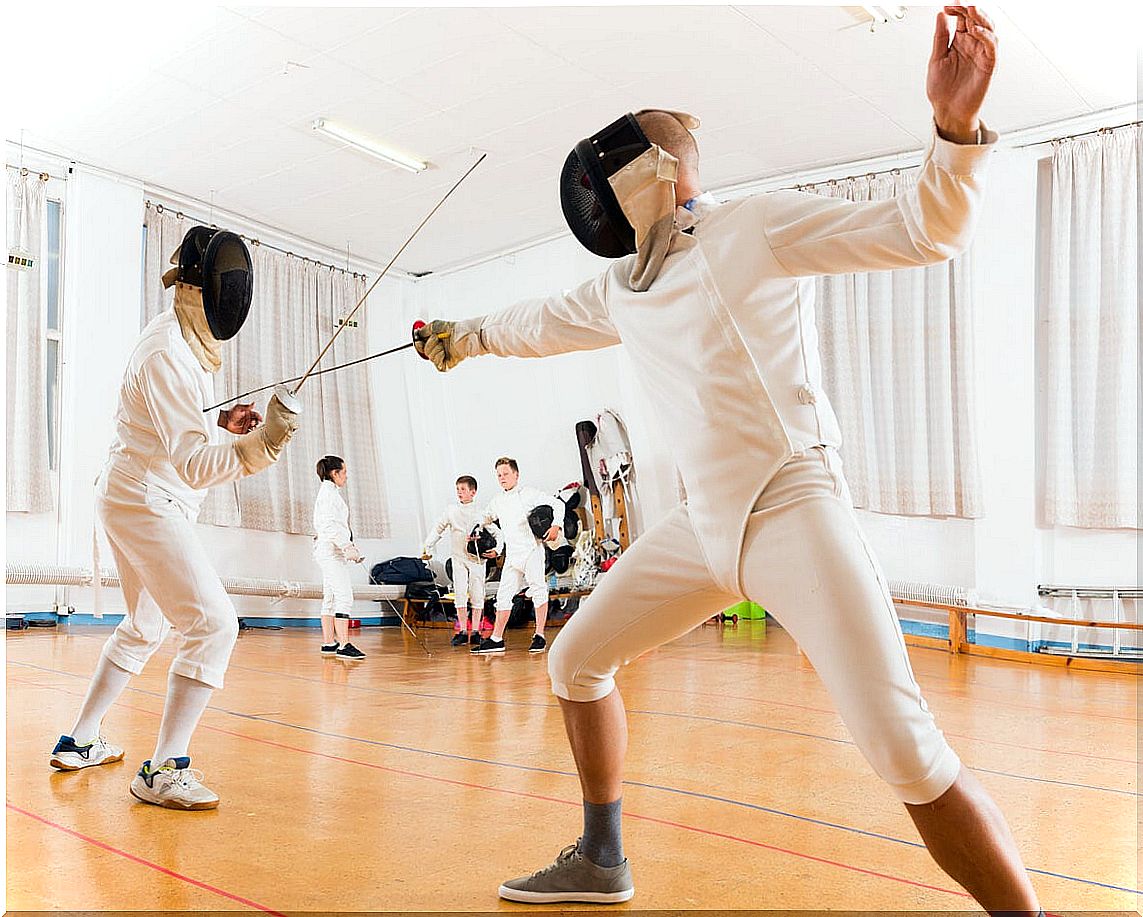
(468,582)
(167,580)
(336,587)
(520,569)
(806,561)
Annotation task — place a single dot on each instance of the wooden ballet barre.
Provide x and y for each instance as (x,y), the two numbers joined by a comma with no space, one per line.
(958,642)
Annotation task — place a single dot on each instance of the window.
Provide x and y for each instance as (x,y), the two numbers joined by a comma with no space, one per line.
(51,264)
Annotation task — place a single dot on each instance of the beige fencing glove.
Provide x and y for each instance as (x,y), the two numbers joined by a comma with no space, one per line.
(259,449)
(447,343)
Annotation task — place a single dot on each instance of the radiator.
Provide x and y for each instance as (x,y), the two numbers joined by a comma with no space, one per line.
(934,593)
(55,575)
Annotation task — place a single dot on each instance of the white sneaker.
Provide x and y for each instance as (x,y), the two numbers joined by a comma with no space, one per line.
(175,785)
(67,756)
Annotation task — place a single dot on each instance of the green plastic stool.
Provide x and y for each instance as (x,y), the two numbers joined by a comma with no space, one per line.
(746,611)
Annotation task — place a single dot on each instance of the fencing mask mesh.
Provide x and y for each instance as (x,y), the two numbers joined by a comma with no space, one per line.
(217,262)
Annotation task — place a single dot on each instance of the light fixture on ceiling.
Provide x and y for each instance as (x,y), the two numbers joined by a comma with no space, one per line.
(365,145)
(881,14)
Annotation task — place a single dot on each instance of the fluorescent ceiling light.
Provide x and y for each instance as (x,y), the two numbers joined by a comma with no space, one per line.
(365,145)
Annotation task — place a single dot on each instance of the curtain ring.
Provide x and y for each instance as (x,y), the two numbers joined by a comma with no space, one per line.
(158,208)
(44,176)
(23,173)
(178,214)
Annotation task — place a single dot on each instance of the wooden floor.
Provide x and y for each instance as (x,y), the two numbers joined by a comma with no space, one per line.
(410,783)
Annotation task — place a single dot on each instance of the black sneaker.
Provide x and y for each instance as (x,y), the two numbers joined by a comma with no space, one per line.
(460,638)
(488,645)
(328,649)
(349,651)
(539,644)
(474,638)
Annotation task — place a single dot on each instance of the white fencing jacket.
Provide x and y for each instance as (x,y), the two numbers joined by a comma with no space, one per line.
(461,519)
(724,340)
(511,507)
(162,437)
(331,519)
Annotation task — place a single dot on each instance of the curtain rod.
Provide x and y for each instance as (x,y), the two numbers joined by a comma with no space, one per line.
(181,214)
(24,170)
(1098,130)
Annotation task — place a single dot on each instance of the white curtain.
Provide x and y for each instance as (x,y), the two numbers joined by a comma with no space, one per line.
(896,352)
(297,304)
(28,481)
(1090,443)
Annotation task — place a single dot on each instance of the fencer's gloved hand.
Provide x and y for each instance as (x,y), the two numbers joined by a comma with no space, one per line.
(261,448)
(447,343)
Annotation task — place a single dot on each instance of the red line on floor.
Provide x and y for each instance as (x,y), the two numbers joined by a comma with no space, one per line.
(150,865)
(524,795)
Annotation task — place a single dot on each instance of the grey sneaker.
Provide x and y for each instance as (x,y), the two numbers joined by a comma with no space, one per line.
(174,785)
(572,877)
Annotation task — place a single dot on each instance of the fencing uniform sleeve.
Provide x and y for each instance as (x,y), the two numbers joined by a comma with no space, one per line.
(498,535)
(439,529)
(932,222)
(575,320)
(172,399)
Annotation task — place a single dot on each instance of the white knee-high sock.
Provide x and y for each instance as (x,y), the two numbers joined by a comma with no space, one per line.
(186,701)
(107,683)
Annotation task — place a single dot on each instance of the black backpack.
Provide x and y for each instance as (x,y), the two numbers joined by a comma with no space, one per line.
(400,571)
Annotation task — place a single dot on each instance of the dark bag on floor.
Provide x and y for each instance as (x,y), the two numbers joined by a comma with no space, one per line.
(523,611)
(400,571)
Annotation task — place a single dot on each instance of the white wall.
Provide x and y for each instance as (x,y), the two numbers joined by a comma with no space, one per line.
(432,427)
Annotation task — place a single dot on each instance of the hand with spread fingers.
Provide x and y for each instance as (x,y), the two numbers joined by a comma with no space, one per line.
(242,418)
(446,343)
(960,71)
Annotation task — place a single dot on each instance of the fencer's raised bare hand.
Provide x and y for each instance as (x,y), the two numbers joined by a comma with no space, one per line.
(489,554)
(448,343)
(242,418)
(552,534)
(960,71)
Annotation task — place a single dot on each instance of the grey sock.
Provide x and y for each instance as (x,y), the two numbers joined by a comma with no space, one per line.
(602,840)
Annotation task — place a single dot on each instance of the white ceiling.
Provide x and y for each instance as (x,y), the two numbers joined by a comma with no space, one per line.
(218,114)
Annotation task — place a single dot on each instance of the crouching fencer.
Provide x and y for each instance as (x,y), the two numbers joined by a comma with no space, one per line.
(462,520)
(714,303)
(162,460)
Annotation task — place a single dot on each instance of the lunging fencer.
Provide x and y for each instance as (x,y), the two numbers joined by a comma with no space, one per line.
(714,304)
(162,459)
(334,553)
(471,545)
(523,550)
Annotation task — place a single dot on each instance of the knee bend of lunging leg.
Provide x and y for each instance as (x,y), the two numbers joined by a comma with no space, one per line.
(574,680)
(917,772)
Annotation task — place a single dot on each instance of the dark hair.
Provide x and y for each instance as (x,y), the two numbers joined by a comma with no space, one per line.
(327,465)
(467,479)
(510,462)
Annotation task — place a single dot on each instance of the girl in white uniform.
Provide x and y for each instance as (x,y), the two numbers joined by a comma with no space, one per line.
(467,571)
(334,552)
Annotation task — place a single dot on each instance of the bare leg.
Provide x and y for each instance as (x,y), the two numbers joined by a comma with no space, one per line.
(501,624)
(327,629)
(970,840)
(541,618)
(341,626)
(597,731)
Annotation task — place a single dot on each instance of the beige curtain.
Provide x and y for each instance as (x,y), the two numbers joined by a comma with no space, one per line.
(896,351)
(296,308)
(1090,430)
(27,478)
